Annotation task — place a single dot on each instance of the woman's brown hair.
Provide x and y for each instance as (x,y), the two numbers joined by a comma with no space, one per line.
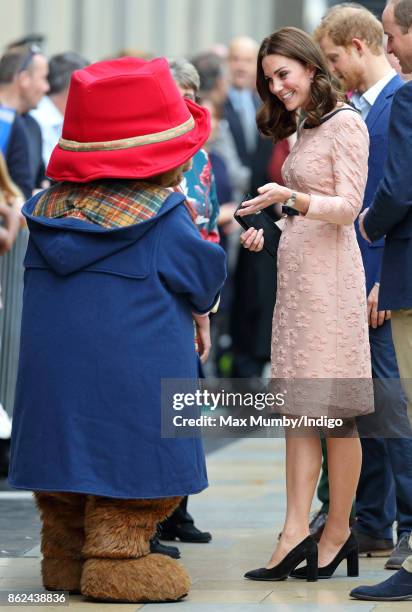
(273,119)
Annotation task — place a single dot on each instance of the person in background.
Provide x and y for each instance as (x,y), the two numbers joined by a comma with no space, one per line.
(228,230)
(394,62)
(199,187)
(214,86)
(224,191)
(49,113)
(199,183)
(254,274)
(390,215)
(351,38)
(13,136)
(23,83)
(240,109)
(11,200)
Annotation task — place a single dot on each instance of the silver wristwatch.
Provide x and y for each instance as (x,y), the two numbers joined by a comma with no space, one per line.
(292,200)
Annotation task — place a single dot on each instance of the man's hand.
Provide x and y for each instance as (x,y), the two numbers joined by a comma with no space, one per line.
(376,317)
(361,226)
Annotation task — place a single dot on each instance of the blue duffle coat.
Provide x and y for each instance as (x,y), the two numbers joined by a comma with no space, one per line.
(107,314)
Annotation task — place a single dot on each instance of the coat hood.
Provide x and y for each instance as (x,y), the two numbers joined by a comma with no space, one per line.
(69,245)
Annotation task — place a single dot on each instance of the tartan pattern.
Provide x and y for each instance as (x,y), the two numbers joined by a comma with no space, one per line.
(109,203)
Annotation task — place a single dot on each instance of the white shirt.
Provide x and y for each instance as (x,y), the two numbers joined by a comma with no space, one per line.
(50,120)
(365,101)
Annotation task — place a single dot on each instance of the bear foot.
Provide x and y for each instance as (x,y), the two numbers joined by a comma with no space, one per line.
(153,578)
(62,574)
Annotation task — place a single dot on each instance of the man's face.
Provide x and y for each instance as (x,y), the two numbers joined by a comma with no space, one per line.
(33,83)
(344,62)
(242,65)
(399,43)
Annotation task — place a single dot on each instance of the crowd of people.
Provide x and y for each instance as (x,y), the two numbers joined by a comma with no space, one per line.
(133,168)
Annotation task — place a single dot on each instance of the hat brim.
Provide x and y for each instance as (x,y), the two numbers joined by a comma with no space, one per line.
(132,163)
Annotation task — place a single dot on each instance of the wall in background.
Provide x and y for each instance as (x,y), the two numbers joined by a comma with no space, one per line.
(99,28)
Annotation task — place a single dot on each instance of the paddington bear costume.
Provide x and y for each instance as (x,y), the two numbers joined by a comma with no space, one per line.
(114,269)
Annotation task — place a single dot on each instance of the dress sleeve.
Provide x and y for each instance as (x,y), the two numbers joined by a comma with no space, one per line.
(350,151)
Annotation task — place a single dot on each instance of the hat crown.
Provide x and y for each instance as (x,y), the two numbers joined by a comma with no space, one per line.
(123,98)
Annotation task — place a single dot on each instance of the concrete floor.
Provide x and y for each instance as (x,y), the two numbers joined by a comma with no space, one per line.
(243,508)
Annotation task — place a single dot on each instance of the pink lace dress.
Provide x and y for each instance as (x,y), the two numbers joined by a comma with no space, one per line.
(320,328)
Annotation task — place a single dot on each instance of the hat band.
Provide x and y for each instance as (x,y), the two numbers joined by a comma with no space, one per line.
(128,143)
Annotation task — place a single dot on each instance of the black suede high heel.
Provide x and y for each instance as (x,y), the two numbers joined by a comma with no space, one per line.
(349,551)
(307,549)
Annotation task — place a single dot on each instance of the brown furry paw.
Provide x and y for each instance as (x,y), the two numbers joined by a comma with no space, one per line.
(62,574)
(151,578)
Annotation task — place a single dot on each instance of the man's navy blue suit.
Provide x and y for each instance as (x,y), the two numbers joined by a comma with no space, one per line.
(391,213)
(385,486)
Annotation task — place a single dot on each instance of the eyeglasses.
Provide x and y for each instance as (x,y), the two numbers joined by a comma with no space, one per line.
(32,50)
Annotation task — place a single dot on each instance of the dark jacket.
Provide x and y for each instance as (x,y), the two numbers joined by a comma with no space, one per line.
(377,122)
(391,210)
(107,315)
(18,158)
(259,160)
(35,141)
(255,274)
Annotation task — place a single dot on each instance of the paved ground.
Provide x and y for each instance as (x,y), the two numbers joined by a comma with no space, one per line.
(243,508)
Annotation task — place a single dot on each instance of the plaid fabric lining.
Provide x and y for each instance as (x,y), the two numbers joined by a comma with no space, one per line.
(106,203)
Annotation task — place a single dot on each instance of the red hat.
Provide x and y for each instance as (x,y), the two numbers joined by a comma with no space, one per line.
(125,118)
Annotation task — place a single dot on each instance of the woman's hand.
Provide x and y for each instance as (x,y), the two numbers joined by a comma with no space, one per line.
(252,239)
(269,194)
(203,336)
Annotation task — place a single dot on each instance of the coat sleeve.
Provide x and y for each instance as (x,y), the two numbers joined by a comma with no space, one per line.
(187,264)
(393,199)
(350,153)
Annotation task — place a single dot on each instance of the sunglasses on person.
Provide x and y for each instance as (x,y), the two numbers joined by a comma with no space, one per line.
(32,50)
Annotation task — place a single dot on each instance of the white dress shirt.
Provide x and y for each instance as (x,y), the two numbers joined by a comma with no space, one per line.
(50,120)
(365,101)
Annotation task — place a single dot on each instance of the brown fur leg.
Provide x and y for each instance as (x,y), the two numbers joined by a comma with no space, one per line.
(62,539)
(119,566)
(147,579)
(122,528)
